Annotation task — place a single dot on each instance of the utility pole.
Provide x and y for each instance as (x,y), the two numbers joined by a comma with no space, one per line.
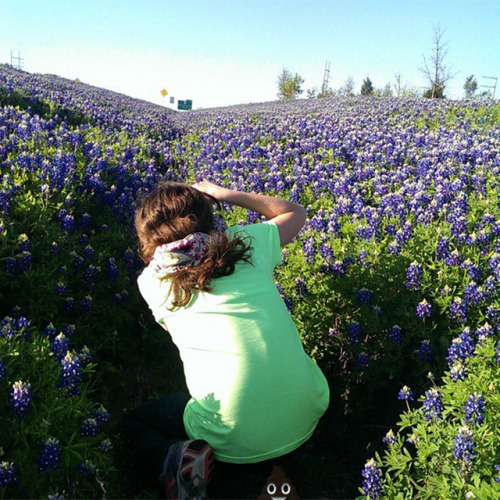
(326,76)
(494,87)
(18,59)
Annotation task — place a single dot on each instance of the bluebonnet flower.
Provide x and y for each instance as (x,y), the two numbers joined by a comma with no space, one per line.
(432,405)
(473,294)
(54,248)
(3,371)
(8,474)
(364,296)
(474,271)
(85,221)
(70,374)
(425,351)
(457,371)
(84,356)
(363,360)
(285,298)
(88,253)
(458,310)
(405,394)
(390,438)
(101,415)
(394,248)
(78,260)
(50,331)
(105,446)
(464,447)
(424,309)
(453,258)
(11,265)
(91,272)
(112,269)
(87,467)
(128,258)
(497,477)
(50,456)
(353,332)
(68,223)
(84,240)
(309,250)
(60,346)
(461,347)
(60,288)
(395,334)
(20,398)
(474,409)
(89,428)
(24,243)
(69,330)
(372,479)
(301,287)
(413,276)
(497,351)
(86,305)
(483,332)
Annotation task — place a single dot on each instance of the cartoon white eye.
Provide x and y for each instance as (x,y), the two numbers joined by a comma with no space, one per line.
(271,488)
(285,488)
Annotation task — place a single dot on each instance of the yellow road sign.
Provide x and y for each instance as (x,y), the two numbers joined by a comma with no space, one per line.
(163,92)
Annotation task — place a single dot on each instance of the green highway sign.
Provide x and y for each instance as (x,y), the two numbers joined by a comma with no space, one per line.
(185,105)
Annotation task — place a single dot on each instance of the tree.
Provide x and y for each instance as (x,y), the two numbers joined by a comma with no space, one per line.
(435,71)
(470,87)
(289,85)
(385,92)
(367,87)
(312,93)
(347,90)
(327,92)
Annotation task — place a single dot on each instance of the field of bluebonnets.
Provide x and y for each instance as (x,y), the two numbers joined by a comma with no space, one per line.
(393,283)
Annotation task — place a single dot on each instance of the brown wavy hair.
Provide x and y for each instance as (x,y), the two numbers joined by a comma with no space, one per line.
(174,210)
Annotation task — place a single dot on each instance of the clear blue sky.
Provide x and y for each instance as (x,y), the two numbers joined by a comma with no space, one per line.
(221,52)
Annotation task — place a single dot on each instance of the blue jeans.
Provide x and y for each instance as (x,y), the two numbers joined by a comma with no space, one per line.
(150,429)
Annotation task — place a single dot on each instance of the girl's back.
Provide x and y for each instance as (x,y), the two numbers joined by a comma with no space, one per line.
(255,392)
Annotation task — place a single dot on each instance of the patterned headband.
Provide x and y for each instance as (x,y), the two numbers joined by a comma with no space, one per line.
(181,254)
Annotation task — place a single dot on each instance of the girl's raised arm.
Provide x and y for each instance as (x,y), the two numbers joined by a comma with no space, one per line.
(288,216)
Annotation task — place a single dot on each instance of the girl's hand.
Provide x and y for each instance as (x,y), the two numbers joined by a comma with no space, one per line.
(218,192)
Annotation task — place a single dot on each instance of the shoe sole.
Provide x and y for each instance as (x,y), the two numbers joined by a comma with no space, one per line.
(195,469)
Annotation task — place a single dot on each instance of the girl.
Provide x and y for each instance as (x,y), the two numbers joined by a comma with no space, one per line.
(254,394)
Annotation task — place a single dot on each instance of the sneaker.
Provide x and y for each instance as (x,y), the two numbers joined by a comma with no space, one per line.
(187,469)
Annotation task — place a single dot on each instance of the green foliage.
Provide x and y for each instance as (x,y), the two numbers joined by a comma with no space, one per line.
(289,86)
(52,414)
(421,464)
(367,87)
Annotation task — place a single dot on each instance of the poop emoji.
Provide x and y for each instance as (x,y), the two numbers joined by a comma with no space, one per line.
(278,487)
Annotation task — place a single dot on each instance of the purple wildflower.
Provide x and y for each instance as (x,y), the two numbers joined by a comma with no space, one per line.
(8,474)
(372,479)
(364,296)
(20,398)
(413,276)
(432,405)
(89,428)
(405,394)
(474,409)
(50,456)
(464,447)
(395,334)
(424,309)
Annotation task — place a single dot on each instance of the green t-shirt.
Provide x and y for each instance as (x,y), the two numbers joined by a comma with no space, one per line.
(255,392)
